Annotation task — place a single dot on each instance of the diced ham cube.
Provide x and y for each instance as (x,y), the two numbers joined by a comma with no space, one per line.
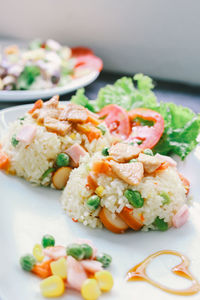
(76,274)
(92,266)
(27,134)
(75,152)
(181,217)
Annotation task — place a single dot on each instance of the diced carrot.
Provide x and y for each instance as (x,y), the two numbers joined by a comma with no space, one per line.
(90,131)
(116,225)
(185,182)
(94,134)
(92,119)
(43,270)
(4,161)
(127,216)
(37,105)
(101,167)
(91,182)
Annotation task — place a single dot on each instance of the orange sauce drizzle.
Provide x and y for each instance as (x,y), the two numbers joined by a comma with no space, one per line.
(138,273)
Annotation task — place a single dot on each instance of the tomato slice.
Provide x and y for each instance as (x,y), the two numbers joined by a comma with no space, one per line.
(150,135)
(79,51)
(89,61)
(117,120)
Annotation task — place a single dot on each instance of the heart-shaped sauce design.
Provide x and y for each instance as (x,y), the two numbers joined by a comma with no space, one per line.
(139,273)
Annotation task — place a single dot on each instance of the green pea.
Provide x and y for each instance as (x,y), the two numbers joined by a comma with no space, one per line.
(47,172)
(105,151)
(88,251)
(102,128)
(160,224)
(148,152)
(134,198)
(76,251)
(14,141)
(166,198)
(105,259)
(133,160)
(139,142)
(93,202)
(27,262)
(48,241)
(62,160)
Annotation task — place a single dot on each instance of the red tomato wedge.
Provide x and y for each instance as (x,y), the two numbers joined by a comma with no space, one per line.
(79,51)
(150,135)
(117,120)
(89,61)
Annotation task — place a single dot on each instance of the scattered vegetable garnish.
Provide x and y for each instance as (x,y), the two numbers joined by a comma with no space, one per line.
(76,251)
(160,224)
(47,173)
(105,259)
(102,128)
(27,262)
(76,267)
(134,198)
(62,160)
(105,151)
(166,198)
(48,241)
(93,202)
(14,141)
(148,152)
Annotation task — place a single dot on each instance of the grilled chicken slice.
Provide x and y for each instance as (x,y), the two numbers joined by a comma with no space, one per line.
(123,152)
(130,173)
(150,163)
(74,113)
(59,127)
(52,103)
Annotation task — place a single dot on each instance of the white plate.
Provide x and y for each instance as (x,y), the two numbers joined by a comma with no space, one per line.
(21,96)
(27,213)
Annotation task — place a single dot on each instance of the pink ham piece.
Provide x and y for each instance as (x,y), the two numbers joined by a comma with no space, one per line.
(85,241)
(27,134)
(76,274)
(92,266)
(164,158)
(181,217)
(75,152)
(55,252)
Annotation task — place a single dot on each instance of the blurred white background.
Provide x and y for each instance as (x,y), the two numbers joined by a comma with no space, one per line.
(156,37)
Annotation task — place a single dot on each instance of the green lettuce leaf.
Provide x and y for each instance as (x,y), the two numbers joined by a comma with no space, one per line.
(182,125)
(80,99)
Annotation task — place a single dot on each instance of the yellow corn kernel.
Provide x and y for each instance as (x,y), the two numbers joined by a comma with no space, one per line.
(52,286)
(90,289)
(99,190)
(73,136)
(59,267)
(105,280)
(38,253)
